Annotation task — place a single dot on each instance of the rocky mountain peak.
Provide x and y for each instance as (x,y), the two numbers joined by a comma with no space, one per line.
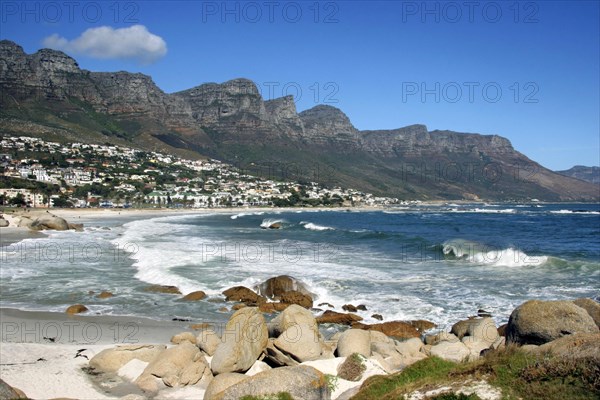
(327,115)
(55,61)
(328,125)
(10,48)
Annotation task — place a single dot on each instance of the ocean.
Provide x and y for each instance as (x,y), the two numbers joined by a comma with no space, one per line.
(439,263)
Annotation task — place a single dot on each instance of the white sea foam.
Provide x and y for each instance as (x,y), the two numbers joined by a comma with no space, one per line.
(246,214)
(507,258)
(154,258)
(492,211)
(478,253)
(574,212)
(314,227)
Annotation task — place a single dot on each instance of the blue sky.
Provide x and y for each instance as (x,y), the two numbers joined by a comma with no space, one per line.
(529,71)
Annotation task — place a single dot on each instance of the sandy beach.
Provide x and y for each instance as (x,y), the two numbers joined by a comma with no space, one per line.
(43,353)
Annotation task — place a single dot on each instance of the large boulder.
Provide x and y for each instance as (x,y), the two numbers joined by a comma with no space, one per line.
(222,382)
(383,349)
(76,227)
(163,289)
(278,358)
(111,360)
(300,382)
(182,337)
(460,328)
(292,315)
(25,222)
(475,346)
(332,317)
(577,346)
(296,297)
(194,296)
(354,341)
(208,341)
(271,308)
(49,221)
(76,309)
(257,368)
(273,288)
(592,307)
(244,339)
(302,342)
(451,351)
(243,294)
(538,322)
(3,223)
(180,365)
(441,337)
(9,392)
(422,325)
(411,347)
(479,329)
(395,329)
(132,370)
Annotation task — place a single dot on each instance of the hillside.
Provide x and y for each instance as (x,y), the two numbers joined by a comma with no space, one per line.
(588,174)
(47,95)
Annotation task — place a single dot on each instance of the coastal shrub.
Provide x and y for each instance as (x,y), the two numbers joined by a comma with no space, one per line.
(332,382)
(583,372)
(352,368)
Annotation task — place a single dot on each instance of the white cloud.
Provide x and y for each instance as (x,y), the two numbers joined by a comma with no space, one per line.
(132,43)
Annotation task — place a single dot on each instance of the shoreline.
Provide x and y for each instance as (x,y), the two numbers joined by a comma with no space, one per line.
(44,327)
(54,347)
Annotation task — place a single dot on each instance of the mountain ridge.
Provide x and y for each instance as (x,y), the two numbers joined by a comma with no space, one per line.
(47,93)
(584,173)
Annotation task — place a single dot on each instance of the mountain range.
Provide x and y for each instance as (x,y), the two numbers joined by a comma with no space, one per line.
(47,94)
(588,174)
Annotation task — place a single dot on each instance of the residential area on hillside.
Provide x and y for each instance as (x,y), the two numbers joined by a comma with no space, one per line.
(40,173)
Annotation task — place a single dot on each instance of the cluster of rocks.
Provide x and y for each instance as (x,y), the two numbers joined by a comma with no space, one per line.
(256,357)
(253,357)
(47,221)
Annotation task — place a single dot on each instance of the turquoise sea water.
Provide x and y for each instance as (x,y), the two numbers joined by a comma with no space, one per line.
(438,263)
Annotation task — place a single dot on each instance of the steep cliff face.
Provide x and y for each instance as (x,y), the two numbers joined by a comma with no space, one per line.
(47,74)
(51,81)
(282,112)
(48,92)
(214,104)
(136,95)
(415,140)
(235,110)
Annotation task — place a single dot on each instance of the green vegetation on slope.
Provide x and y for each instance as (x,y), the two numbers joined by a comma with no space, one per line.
(518,375)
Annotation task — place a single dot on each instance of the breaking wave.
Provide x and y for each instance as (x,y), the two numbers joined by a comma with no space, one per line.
(478,253)
(315,227)
(271,223)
